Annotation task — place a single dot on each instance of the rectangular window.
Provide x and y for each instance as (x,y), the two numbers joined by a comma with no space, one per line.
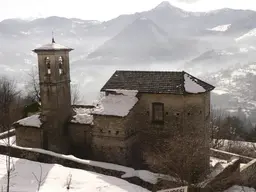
(157,112)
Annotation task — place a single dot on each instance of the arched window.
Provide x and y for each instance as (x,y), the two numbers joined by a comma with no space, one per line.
(60,60)
(48,65)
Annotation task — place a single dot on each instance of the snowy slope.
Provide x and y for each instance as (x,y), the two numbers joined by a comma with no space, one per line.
(251,33)
(220,28)
(56,176)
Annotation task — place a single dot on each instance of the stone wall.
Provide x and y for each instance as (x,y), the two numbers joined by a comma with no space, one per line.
(185,125)
(227,155)
(112,140)
(28,136)
(47,158)
(80,139)
(229,176)
(248,174)
(6,134)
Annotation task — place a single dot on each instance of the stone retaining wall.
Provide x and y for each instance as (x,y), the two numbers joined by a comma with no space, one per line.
(227,155)
(7,134)
(248,174)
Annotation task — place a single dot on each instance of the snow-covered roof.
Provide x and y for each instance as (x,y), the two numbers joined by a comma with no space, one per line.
(51,47)
(83,116)
(32,121)
(118,104)
(191,85)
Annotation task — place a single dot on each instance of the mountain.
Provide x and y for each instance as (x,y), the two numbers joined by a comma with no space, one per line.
(164,37)
(235,88)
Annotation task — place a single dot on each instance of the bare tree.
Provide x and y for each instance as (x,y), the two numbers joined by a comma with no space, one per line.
(215,128)
(33,89)
(8,97)
(75,94)
(41,179)
(68,182)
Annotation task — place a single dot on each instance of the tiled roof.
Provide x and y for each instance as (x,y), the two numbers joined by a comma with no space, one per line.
(168,82)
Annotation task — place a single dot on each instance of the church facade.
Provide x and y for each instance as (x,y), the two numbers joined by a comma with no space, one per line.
(138,107)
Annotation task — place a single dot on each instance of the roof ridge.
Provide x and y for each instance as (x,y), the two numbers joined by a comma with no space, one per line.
(148,71)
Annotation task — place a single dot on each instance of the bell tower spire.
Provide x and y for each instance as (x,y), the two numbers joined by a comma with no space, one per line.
(53,40)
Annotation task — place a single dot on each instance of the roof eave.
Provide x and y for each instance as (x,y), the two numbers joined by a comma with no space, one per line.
(45,50)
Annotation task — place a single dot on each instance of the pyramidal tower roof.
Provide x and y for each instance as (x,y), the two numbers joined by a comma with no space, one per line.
(52,47)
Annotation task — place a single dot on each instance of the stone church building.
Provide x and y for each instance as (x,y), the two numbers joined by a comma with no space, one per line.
(136,104)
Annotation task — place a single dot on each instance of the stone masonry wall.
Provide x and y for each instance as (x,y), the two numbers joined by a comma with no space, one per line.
(184,117)
(80,139)
(28,137)
(112,140)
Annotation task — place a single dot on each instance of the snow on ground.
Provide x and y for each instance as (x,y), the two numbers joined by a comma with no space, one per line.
(145,175)
(118,104)
(32,121)
(221,28)
(55,177)
(191,86)
(5,141)
(214,161)
(237,188)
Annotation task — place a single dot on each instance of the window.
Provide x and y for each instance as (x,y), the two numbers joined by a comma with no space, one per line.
(48,65)
(158,112)
(60,61)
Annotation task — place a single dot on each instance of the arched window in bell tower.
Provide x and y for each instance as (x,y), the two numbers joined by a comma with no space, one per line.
(60,60)
(48,65)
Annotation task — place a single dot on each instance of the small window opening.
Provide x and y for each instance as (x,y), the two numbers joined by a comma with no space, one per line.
(48,65)
(188,114)
(117,132)
(109,132)
(158,112)
(101,130)
(60,61)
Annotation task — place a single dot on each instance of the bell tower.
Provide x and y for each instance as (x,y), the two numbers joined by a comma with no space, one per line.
(56,111)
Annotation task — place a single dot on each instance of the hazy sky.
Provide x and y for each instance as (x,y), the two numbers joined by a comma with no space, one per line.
(105,9)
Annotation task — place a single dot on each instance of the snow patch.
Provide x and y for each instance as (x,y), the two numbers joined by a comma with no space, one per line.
(125,92)
(12,141)
(54,178)
(219,92)
(53,46)
(128,172)
(243,50)
(118,104)
(220,28)
(251,33)
(237,188)
(238,73)
(32,121)
(83,116)
(191,86)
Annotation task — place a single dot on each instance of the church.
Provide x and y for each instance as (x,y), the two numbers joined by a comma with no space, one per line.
(137,106)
